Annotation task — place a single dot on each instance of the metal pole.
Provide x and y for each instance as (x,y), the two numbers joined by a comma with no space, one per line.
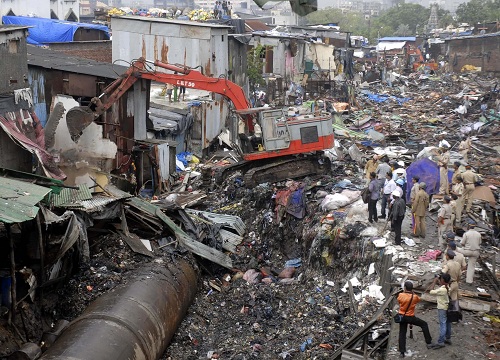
(42,248)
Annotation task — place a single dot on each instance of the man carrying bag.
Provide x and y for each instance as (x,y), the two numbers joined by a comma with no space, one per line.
(406,315)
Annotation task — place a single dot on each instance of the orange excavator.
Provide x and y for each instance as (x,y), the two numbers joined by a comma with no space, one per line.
(291,145)
(418,61)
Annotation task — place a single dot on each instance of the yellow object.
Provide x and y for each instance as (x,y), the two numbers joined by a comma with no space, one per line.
(470,68)
(260,147)
(194,160)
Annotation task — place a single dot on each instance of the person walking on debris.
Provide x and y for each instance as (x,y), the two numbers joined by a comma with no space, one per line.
(389,187)
(444,222)
(371,166)
(374,188)
(464,147)
(470,247)
(442,141)
(400,183)
(442,306)
(469,178)
(443,161)
(457,190)
(408,300)
(397,215)
(419,208)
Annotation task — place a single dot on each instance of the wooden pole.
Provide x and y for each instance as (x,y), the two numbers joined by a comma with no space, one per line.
(12,313)
(42,248)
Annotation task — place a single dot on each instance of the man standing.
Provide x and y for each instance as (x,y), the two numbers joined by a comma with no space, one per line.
(389,187)
(414,188)
(442,306)
(371,166)
(452,267)
(408,300)
(443,161)
(382,169)
(374,188)
(457,189)
(397,214)
(459,257)
(471,244)
(444,222)
(464,147)
(419,208)
(470,178)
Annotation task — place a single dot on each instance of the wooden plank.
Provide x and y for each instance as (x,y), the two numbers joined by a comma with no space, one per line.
(465,304)
(192,245)
(135,243)
(205,251)
(230,240)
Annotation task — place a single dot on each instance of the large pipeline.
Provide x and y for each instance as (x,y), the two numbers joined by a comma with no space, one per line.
(133,321)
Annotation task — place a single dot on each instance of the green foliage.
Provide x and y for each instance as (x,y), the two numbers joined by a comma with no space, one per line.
(414,16)
(401,20)
(255,65)
(478,11)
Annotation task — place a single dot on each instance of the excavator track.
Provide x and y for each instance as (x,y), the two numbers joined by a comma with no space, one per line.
(286,169)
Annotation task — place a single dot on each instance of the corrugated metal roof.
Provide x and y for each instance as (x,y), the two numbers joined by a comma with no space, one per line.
(18,200)
(49,59)
(97,203)
(72,197)
(398,38)
(255,25)
(170,21)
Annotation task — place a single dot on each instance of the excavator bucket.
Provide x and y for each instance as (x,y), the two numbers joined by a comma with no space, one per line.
(77,119)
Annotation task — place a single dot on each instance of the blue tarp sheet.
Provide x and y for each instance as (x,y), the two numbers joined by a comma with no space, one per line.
(46,31)
(428,171)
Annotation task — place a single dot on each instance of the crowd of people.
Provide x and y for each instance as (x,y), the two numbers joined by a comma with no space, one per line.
(386,181)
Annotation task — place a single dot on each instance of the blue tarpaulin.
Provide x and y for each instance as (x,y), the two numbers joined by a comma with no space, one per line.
(46,31)
(428,171)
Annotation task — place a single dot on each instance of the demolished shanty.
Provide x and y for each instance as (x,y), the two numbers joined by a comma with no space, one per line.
(259,241)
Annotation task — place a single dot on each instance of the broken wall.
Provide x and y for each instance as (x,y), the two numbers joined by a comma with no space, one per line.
(481,51)
(85,159)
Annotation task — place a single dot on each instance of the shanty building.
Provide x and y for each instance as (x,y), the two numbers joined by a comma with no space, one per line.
(480,51)
(14,97)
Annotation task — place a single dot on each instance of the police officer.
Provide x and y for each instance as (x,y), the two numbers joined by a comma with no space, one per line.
(471,244)
(444,221)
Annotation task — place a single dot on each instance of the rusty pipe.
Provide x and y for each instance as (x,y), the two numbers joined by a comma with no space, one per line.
(133,321)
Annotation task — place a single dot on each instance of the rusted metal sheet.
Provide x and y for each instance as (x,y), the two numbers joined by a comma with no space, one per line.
(176,42)
(134,321)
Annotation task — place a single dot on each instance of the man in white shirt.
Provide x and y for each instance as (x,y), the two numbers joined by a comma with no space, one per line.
(389,187)
(256,138)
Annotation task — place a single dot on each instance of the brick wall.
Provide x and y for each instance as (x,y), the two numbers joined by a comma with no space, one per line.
(94,50)
(483,52)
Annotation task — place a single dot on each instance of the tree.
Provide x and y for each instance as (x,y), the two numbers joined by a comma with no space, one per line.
(412,15)
(403,30)
(478,11)
(255,67)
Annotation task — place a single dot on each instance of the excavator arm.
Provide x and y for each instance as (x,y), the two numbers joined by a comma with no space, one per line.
(80,117)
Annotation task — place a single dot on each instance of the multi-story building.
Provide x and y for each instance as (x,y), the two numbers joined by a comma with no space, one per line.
(51,9)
